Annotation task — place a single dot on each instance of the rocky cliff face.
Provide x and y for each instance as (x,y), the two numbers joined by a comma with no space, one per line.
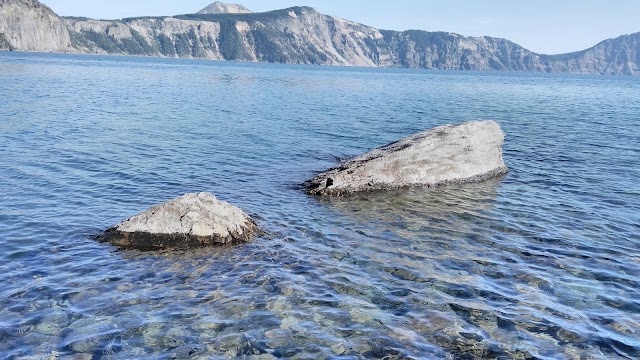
(222,8)
(4,43)
(298,35)
(28,25)
(447,51)
(437,50)
(619,56)
(164,37)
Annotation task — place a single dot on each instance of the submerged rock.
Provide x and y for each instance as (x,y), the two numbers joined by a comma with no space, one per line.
(192,220)
(449,154)
(53,324)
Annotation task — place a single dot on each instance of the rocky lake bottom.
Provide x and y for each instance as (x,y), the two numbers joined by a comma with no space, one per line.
(543,263)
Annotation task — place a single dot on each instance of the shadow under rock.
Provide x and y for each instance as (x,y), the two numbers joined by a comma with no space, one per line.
(415,205)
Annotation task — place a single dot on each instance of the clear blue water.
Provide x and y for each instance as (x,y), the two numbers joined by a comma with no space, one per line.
(543,263)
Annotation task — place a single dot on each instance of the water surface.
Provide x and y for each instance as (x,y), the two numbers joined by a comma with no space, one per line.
(543,263)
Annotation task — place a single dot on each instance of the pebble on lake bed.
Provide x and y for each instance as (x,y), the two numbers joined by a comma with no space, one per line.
(192,220)
(449,154)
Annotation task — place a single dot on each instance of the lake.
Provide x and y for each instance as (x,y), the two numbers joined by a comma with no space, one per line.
(543,263)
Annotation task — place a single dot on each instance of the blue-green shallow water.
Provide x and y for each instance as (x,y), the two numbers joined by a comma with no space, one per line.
(544,263)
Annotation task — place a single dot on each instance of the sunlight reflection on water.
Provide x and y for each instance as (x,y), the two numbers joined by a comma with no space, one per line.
(541,263)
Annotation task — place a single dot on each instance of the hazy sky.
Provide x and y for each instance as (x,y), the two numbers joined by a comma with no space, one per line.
(544,26)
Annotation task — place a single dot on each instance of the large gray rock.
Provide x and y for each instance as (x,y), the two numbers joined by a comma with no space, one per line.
(192,220)
(450,154)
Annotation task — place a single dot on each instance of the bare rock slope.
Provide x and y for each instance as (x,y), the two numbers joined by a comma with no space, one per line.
(192,220)
(28,25)
(449,154)
(222,8)
(298,35)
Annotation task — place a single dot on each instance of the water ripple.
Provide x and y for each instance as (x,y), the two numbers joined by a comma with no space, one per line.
(543,263)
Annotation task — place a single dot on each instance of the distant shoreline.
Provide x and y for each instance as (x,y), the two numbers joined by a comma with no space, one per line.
(297,35)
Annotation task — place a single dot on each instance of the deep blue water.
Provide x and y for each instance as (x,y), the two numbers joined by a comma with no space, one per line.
(543,263)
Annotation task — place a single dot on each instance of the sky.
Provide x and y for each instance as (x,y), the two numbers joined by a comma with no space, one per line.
(543,26)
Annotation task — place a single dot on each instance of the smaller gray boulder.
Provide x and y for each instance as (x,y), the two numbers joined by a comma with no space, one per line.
(192,220)
(449,154)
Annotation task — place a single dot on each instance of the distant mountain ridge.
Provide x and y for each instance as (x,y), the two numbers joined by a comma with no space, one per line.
(298,35)
(222,8)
